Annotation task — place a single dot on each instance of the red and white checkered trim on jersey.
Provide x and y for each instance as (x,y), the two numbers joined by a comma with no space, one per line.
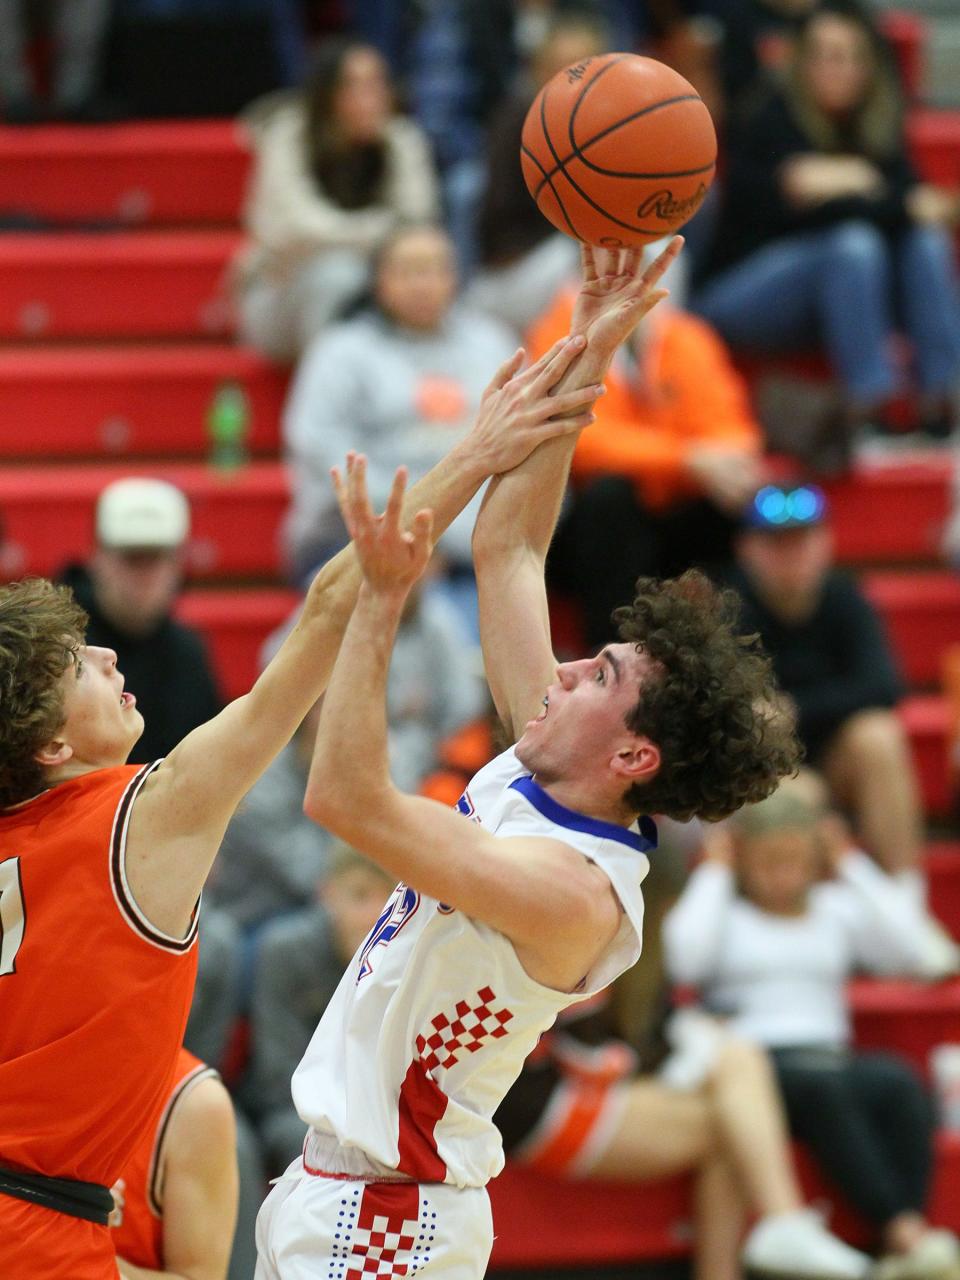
(467,1029)
(374,1251)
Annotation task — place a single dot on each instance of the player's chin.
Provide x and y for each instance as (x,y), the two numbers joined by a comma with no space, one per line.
(525,750)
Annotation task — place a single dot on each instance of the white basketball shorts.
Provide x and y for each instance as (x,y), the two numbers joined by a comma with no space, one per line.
(321,1228)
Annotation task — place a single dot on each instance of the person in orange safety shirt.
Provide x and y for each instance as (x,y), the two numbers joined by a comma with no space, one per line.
(176,1203)
(660,478)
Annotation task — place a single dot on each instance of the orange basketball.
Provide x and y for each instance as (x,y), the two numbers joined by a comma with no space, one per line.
(618,150)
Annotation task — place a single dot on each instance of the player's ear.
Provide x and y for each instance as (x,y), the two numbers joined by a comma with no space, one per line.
(54,753)
(637,761)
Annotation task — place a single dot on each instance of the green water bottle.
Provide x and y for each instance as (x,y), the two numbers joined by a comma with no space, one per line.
(228,425)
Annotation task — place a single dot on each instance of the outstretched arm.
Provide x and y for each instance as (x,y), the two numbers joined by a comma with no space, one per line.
(520,509)
(180,817)
(557,909)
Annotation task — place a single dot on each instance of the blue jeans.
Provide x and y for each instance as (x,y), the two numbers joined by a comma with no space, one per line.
(847,286)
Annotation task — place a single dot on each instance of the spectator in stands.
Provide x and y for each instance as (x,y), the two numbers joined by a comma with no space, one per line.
(824,219)
(129,588)
(771,946)
(302,959)
(833,661)
(613,1093)
(662,476)
(399,382)
(77,30)
(335,170)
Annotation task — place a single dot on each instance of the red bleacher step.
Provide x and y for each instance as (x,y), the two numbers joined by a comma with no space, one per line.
(147,284)
(78,402)
(153,174)
(934,141)
(909,1018)
(892,511)
(235,624)
(942,862)
(48,513)
(927,721)
(921,611)
(544,1222)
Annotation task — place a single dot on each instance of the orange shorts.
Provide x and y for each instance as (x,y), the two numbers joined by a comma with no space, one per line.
(40,1244)
(575,1128)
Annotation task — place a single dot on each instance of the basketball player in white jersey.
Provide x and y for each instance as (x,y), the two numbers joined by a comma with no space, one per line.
(527,899)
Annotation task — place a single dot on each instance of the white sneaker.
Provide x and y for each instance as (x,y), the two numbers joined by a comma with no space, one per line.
(797,1246)
(936,1256)
(940,955)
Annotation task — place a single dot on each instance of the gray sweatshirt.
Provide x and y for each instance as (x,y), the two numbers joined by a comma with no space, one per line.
(397,395)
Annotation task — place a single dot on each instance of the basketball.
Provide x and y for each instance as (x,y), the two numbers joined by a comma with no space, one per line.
(618,150)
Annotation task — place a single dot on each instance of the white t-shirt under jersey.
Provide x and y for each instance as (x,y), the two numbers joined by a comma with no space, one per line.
(435,1015)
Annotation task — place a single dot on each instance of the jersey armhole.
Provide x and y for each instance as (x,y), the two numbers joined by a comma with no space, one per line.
(155,1171)
(122,892)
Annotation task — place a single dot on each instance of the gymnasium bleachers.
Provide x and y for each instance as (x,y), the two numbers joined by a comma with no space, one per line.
(114,338)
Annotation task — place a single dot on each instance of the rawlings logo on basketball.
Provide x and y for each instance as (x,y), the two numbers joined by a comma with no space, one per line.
(577,71)
(400,908)
(665,207)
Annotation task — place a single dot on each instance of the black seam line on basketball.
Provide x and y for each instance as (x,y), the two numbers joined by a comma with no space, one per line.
(543,124)
(578,151)
(546,133)
(654,232)
(547,182)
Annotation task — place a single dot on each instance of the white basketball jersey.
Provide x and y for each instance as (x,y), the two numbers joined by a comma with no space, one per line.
(435,1015)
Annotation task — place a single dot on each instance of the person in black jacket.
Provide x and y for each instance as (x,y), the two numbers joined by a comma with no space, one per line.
(832,660)
(128,589)
(827,235)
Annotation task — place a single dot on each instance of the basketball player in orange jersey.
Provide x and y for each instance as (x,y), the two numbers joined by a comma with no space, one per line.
(101,864)
(176,1203)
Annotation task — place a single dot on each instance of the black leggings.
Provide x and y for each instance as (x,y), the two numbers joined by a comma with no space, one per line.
(869,1122)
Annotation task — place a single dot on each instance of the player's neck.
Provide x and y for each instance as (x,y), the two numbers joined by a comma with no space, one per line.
(583,798)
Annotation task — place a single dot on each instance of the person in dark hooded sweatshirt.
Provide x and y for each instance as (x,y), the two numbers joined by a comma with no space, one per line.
(128,588)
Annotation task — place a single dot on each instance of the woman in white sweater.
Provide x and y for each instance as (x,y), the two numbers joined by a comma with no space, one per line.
(335,170)
(770,943)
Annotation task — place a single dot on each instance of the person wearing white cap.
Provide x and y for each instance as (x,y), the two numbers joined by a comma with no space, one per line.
(128,588)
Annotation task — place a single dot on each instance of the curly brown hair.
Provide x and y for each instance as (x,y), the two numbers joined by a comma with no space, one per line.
(709,702)
(41,628)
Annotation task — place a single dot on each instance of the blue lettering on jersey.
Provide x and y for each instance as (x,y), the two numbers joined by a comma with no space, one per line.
(466,806)
(399,909)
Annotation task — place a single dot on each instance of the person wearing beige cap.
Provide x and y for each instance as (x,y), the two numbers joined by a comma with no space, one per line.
(128,589)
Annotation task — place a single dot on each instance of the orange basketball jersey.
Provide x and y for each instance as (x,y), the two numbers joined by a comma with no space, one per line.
(93,999)
(138,1237)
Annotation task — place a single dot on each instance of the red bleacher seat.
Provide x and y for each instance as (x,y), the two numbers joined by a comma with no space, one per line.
(927,720)
(892,511)
(548,1222)
(921,611)
(48,512)
(934,141)
(235,625)
(152,174)
(942,862)
(147,284)
(78,402)
(907,1017)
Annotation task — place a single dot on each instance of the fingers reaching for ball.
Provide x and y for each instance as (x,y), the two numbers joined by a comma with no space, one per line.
(391,557)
